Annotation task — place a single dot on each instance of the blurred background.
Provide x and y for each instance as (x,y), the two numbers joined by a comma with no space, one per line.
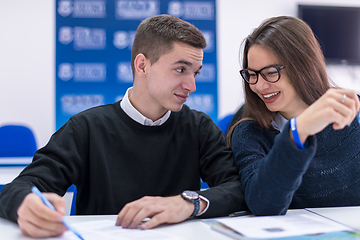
(28,47)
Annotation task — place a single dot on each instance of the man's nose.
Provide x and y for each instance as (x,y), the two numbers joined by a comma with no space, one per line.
(189,84)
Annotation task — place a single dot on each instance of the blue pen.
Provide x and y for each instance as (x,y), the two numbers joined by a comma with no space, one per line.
(35,190)
(358,117)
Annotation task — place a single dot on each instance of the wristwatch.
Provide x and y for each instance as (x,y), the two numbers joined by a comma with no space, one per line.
(193,197)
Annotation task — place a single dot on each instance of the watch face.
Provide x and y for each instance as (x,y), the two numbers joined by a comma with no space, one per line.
(190,194)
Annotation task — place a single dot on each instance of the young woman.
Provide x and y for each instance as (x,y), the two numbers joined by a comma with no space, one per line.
(297,144)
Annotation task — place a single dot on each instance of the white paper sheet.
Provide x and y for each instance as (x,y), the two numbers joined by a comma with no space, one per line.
(106,229)
(282,226)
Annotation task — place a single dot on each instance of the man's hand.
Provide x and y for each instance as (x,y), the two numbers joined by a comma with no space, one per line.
(160,209)
(35,219)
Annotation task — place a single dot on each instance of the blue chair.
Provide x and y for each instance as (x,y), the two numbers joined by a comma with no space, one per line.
(224,123)
(17,141)
(204,185)
(73,189)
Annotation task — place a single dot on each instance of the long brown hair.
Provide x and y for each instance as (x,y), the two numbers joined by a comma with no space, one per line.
(292,41)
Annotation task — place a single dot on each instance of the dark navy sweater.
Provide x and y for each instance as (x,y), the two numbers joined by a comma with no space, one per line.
(276,175)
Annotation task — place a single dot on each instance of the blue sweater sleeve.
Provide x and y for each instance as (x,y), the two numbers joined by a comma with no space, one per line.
(270,166)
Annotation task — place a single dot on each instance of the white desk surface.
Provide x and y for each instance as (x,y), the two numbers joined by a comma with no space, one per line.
(191,229)
(196,229)
(7,174)
(349,216)
(15,160)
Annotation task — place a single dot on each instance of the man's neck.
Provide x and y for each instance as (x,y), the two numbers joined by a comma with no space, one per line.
(142,105)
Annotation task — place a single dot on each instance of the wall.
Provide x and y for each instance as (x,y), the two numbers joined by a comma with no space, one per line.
(27,65)
(27,57)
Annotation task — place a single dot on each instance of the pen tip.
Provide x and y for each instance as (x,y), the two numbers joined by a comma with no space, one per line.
(80,236)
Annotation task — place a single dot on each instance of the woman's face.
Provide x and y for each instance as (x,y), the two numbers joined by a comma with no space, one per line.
(279,96)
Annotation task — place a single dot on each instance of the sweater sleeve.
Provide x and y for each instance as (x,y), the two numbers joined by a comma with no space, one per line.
(270,166)
(52,170)
(219,172)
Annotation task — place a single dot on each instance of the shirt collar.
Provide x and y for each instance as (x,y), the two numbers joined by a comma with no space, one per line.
(133,113)
(279,122)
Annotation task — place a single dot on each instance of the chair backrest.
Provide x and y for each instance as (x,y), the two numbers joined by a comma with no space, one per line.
(228,121)
(17,141)
(224,123)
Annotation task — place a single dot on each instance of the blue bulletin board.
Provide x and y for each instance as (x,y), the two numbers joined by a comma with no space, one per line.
(93,51)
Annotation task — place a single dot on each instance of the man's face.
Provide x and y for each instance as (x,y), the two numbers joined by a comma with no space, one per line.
(172,78)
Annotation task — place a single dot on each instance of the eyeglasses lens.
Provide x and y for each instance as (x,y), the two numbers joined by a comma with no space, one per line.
(270,74)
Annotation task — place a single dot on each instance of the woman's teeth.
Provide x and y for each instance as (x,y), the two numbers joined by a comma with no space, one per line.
(271,95)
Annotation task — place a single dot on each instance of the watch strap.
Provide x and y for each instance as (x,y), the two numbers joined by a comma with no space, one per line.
(196,201)
(197,207)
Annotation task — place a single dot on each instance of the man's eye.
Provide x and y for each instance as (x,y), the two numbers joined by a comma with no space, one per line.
(196,74)
(180,70)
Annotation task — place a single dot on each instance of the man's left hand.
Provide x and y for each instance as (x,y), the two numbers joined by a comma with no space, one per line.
(159,209)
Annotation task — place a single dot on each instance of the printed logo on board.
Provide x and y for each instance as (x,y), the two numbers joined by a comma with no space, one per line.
(124,72)
(192,10)
(82,72)
(207,73)
(176,8)
(66,35)
(89,9)
(65,71)
(209,37)
(82,8)
(89,72)
(140,9)
(65,8)
(123,39)
(72,103)
(89,38)
(201,102)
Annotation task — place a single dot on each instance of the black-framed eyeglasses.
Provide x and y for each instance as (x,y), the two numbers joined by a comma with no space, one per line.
(270,73)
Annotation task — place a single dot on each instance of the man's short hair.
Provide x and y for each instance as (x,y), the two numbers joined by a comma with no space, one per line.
(155,36)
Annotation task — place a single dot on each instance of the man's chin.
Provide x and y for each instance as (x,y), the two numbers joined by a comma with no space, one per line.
(176,108)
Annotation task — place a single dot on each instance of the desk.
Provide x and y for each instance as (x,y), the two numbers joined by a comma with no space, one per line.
(7,174)
(10,167)
(13,161)
(191,229)
(349,216)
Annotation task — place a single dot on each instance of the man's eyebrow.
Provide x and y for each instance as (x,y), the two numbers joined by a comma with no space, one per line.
(185,63)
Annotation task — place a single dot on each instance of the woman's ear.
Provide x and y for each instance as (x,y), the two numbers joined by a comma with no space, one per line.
(140,64)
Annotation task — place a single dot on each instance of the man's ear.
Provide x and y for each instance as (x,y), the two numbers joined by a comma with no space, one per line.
(140,64)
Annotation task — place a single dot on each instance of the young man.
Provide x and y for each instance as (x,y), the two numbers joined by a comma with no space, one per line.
(136,157)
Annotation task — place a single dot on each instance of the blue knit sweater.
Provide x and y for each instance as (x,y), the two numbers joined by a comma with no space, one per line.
(276,175)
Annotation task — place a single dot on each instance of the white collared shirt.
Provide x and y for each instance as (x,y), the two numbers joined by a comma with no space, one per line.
(279,122)
(132,112)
